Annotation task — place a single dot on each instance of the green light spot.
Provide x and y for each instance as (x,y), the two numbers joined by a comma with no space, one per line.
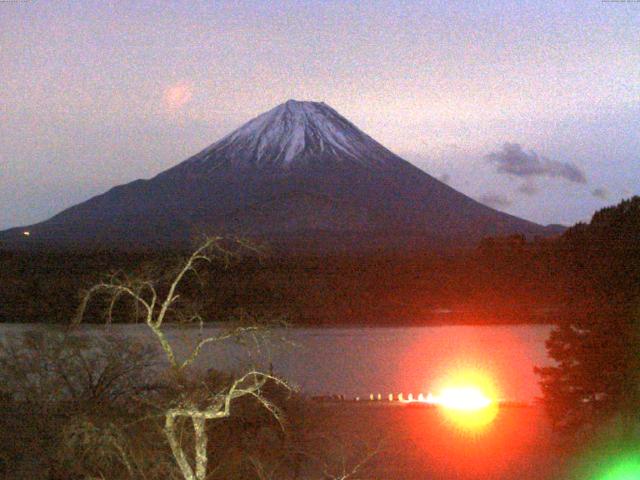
(628,469)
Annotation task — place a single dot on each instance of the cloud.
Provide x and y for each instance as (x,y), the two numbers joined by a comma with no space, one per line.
(601,193)
(445,177)
(495,200)
(528,188)
(513,160)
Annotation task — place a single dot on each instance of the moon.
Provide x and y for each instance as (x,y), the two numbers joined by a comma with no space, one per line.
(177,95)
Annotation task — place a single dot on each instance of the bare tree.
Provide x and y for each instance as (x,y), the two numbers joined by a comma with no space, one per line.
(348,459)
(156,302)
(58,389)
(49,366)
(340,460)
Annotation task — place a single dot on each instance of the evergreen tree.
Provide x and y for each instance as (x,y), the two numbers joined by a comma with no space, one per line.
(596,341)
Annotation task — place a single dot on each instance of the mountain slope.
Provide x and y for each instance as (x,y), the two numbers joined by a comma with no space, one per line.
(298,173)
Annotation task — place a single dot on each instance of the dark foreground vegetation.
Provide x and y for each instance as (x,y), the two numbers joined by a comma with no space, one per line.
(596,341)
(76,407)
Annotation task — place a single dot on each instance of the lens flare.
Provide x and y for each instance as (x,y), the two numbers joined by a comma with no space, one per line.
(625,468)
(468,399)
(629,470)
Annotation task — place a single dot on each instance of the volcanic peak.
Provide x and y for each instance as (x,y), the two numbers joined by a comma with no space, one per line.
(295,133)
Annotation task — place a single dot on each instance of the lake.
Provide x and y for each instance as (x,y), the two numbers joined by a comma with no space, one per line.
(358,361)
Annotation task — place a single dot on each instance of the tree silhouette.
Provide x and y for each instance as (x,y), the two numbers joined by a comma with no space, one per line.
(596,341)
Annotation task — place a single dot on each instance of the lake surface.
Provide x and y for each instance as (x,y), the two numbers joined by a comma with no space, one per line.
(358,361)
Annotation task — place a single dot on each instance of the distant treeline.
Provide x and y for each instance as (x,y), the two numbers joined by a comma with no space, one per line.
(503,280)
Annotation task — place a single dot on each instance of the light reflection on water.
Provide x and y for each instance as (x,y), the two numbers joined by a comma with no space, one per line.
(359,361)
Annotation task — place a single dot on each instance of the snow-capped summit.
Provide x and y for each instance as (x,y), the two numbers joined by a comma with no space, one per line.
(293,135)
(300,174)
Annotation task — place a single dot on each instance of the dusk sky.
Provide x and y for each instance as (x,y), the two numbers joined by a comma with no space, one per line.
(531,107)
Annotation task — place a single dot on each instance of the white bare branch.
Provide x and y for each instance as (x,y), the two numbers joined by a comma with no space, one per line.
(144,294)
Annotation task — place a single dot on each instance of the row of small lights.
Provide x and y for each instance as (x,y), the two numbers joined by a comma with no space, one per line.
(430,398)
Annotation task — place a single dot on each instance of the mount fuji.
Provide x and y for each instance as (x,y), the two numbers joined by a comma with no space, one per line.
(300,175)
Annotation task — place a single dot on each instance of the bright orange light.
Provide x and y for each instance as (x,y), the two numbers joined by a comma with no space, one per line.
(468,398)
(464,398)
